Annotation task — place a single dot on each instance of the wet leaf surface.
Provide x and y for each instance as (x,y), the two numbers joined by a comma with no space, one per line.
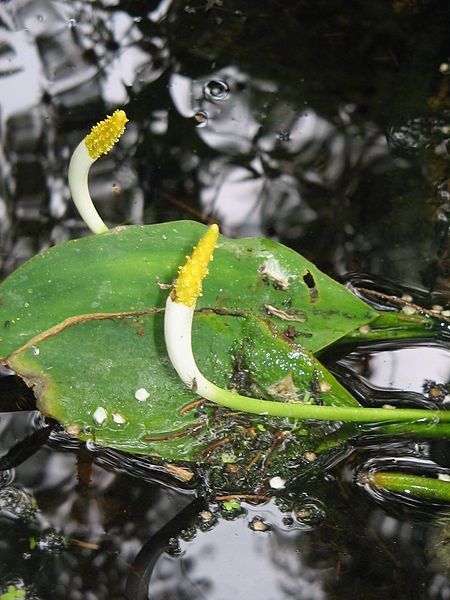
(83,324)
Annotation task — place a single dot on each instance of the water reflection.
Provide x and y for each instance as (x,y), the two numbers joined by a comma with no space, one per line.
(329,134)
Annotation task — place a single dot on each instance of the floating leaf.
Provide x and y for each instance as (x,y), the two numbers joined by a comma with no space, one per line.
(83,324)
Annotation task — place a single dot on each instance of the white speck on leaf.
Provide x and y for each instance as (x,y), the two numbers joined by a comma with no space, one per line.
(141,394)
(100,415)
(119,419)
(275,272)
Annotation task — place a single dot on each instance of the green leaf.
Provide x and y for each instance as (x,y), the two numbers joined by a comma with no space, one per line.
(83,323)
(13,593)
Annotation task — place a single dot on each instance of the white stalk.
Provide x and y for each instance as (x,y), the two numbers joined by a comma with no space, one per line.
(99,141)
(178,337)
(79,167)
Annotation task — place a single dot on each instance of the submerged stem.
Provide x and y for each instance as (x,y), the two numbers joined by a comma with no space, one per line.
(416,485)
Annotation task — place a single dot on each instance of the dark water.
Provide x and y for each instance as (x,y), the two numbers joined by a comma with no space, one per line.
(322,125)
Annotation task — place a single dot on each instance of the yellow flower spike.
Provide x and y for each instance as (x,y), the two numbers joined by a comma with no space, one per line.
(102,138)
(188,286)
(105,134)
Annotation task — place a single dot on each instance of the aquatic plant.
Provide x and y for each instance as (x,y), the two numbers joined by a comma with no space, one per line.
(101,306)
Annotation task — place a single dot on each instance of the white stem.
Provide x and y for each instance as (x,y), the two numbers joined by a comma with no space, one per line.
(79,166)
(178,334)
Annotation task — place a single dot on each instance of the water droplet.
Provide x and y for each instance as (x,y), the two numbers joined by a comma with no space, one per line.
(35,350)
(216,90)
(201,119)
(72,23)
(40,17)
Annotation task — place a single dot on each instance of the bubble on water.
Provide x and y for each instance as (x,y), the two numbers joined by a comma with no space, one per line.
(216,90)
(200,119)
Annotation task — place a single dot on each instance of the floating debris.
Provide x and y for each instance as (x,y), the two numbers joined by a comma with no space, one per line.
(277,483)
(258,524)
(310,456)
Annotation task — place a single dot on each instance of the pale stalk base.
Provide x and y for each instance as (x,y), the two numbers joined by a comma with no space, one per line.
(79,166)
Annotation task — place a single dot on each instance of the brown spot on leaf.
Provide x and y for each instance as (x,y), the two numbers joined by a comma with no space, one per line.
(284,389)
(286,315)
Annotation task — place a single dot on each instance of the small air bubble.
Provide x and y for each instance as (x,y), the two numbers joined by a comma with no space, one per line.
(40,17)
(200,119)
(216,90)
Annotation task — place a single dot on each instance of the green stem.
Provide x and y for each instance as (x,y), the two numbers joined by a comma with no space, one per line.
(393,326)
(348,414)
(424,487)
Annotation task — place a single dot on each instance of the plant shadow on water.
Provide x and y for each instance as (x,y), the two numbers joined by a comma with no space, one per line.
(324,127)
